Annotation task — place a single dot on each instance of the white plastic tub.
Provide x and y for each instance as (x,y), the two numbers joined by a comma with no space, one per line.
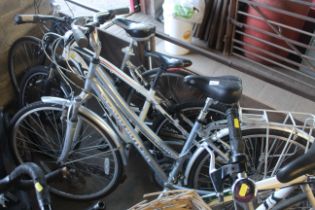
(178,29)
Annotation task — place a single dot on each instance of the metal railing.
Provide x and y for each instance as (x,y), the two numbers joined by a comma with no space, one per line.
(274,35)
(295,75)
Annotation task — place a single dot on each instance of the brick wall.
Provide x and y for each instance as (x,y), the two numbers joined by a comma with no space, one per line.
(10,32)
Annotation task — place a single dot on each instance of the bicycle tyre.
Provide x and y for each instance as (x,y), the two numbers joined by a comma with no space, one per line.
(201,164)
(22,48)
(46,151)
(33,86)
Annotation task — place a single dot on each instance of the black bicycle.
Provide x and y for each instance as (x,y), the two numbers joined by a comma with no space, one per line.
(12,199)
(27,51)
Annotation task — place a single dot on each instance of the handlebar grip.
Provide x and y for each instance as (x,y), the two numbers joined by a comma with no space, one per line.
(20,19)
(79,37)
(119,11)
(32,18)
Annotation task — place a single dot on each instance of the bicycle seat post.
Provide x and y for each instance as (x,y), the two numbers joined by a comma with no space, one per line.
(147,45)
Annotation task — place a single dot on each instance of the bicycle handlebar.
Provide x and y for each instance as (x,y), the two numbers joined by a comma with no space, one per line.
(32,18)
(39,181)
(89,24)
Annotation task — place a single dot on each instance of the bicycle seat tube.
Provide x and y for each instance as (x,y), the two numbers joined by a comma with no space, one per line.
(243,188)
(192,136)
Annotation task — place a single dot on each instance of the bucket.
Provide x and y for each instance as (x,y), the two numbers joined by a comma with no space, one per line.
(178,29)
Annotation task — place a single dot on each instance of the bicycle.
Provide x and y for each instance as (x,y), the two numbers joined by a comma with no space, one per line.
(278,158)
(172,77)
(27,51)
(288,179)
(285,187)
(16,179)
(169,79)
(122,128)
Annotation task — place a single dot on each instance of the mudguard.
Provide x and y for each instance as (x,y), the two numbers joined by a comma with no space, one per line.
(94,117)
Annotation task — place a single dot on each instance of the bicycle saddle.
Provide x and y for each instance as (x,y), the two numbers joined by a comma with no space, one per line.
(298,167)
(225,89)
(135,29)
(170,61)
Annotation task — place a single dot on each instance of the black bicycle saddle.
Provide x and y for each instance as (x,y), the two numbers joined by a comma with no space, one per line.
(169,61)
(135,29)
(225,89)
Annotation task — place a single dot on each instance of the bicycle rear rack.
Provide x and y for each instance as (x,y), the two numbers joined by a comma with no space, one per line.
(295,122)
(295,126)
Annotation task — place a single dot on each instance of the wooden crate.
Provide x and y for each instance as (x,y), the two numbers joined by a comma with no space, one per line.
(173,200)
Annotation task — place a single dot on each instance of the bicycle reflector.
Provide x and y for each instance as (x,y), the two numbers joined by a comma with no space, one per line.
(244,190)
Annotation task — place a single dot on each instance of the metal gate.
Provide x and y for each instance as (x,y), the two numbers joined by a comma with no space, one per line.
(273,40)
(276,35)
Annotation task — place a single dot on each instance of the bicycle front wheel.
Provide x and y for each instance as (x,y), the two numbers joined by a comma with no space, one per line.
(94,165)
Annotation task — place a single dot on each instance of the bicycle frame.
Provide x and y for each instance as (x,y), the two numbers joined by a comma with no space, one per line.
(100,83)
(283,190)
(151,98)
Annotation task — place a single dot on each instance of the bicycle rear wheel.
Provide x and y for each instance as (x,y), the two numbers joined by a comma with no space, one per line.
(94,166)
(24,53)
(171,86)
(264,151)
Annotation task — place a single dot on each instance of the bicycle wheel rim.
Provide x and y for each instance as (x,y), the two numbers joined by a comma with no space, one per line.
(85,171)
(275,136)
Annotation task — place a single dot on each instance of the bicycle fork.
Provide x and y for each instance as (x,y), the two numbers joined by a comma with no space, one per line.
(72,131)
(74,124)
